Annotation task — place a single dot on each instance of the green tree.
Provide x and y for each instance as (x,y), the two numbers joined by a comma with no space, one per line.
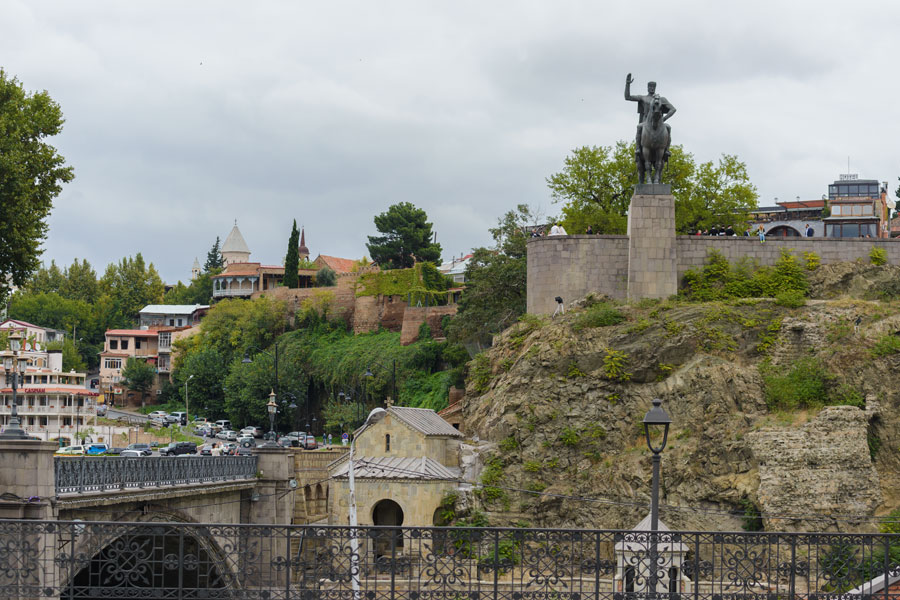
(292,259)
(47,280)
(80,282)
(31,176)
(129,285)
(138,376)
(720,194)
(234,326)
(596,184)
(198,291)
(406,238)
(71,359)
(495,293)
(206,390)
(326,277)
(76,317)
(214,259)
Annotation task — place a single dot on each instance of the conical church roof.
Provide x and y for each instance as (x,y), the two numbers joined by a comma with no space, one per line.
(196,263)
(235,241)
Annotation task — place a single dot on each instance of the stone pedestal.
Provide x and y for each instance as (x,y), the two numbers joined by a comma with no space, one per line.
(28,476)
(652,260)
(271,503)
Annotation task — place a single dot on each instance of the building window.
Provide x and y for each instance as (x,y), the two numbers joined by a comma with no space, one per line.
(124,344)
(113,344)
(137,343)
(387,442)
(179,322)
(112,363)
(171,322)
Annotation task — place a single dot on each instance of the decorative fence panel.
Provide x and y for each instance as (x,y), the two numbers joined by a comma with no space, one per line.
(101,473)
(86,560)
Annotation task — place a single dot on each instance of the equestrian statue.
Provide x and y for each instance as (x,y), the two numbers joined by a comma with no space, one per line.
(654,135)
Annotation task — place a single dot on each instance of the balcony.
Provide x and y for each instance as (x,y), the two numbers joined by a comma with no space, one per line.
(245,292)
(49,409)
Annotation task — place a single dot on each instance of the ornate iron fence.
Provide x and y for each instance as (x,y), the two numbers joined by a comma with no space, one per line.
(100,473)
(86,560)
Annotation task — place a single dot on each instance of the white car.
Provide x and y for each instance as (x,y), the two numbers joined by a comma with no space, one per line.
(71,451)
(227,435)
(158,416)
(132,453)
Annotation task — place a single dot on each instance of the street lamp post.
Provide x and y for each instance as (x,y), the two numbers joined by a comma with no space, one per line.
(272,408)
(374,416)
(14,366)
(655,417)
(187,410)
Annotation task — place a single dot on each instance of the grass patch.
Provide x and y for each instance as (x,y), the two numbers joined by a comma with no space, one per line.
(886,345)
(601,314)
(807,384)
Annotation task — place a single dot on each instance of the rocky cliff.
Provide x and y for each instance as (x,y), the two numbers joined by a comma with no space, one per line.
(563,400)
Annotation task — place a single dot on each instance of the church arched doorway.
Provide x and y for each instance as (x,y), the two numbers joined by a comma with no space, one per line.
(388,542)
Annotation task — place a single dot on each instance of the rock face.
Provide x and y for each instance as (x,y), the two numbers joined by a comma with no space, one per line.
(820,468)
(564,400)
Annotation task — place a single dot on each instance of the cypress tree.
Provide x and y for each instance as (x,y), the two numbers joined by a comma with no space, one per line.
(292,259)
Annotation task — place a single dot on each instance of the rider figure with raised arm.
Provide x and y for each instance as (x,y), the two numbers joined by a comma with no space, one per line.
(643,109)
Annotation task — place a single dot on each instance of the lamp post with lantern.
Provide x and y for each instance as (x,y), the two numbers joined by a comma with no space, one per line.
(271,408)
(655,418)
(14,366)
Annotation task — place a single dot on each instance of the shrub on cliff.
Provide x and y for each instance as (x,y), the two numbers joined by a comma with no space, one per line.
(721,280)
(807,384)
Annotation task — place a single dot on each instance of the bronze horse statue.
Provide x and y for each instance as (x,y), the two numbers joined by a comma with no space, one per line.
(652,154)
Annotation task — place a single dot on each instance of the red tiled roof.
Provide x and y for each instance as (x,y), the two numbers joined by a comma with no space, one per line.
(133,332)
(338,265)
(22,323)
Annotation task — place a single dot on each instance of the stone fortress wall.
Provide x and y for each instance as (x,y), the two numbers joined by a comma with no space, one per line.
(573,266)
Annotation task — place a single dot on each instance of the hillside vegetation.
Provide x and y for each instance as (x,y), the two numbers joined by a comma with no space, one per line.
(785,416)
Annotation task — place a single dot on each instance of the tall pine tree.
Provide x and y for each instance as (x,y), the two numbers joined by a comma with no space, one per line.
(292,259)
(214,259)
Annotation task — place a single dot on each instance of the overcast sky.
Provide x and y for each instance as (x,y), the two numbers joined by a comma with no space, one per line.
(184,116)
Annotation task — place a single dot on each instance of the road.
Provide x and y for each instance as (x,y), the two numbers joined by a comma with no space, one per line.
(112,413)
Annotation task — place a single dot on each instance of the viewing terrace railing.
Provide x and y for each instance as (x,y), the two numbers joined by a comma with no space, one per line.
(80,560)
(80,474)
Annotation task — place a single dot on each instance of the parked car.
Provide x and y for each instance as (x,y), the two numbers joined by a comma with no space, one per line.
(244,438)
(310,442)
(228,448)
(132,454)
(297,434)
(256,432)
(144,449)
(204,431)
(178,418)
(206,450)
(222,425)
(101,410)
(227,435)
(241,451)
(200,421)
(115,451)
(176,448)
(159,417)
(96,449)
(289,441)
(71,451)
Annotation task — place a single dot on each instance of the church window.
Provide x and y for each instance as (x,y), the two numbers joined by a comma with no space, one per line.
(387,442)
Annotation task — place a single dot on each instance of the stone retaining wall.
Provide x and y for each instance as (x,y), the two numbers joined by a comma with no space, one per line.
(573,266)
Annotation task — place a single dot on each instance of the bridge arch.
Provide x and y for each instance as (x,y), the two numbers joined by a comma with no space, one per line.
(783,231)
(148,551)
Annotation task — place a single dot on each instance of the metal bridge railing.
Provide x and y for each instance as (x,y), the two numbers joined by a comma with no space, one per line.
(106,473)
(81,559)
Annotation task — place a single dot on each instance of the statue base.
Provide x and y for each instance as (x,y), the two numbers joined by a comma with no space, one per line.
(653,189)
(652,260)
